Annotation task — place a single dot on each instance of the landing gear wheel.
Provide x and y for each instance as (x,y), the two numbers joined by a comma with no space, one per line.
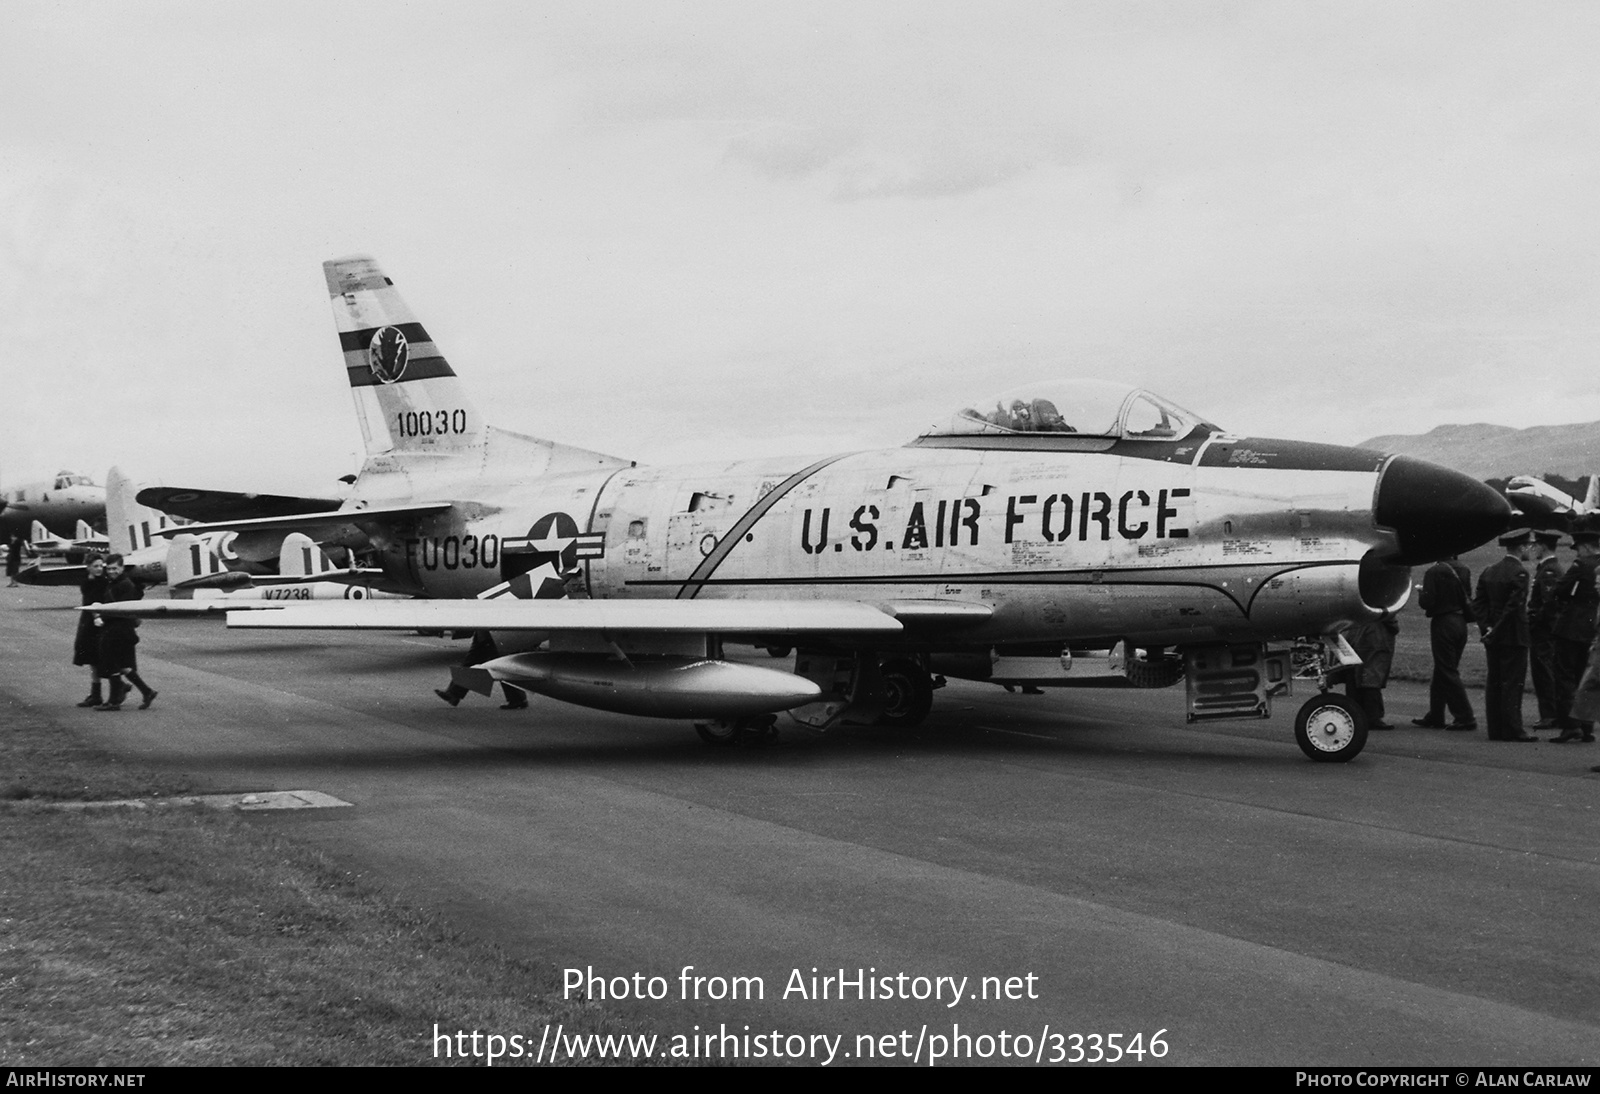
(1330,729)
(760,730)
(779,651)
(910,694)
(722,734)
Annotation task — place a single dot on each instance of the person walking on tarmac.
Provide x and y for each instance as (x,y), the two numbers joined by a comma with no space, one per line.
(1446,598)
(1541,642)
(118,637)
(1501,606)
(1573,605)
(482,649)
(86,644)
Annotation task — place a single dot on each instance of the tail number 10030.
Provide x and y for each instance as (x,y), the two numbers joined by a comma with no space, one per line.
(430,423)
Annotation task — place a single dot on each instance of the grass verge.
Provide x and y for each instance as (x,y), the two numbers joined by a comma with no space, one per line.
(190,936)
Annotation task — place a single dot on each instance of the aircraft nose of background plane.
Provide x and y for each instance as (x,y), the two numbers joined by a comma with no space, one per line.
(1436,512)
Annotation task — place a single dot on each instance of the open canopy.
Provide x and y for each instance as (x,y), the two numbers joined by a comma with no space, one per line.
(1094,408)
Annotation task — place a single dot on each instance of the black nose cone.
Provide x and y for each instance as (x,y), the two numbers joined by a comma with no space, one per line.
(1435,512)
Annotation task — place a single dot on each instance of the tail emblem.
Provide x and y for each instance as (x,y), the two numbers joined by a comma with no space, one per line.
(387,354)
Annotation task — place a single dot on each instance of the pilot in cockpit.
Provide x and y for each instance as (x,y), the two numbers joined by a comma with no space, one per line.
(1047,419)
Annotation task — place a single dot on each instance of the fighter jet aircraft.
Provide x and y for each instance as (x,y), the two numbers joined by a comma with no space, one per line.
(49,559)
(1543,506)
(202,584)
(58,503)
(1067,533)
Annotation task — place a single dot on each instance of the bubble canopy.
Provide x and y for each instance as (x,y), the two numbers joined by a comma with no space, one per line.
(1089,408)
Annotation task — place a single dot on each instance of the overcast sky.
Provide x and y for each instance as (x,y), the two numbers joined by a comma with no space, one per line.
(686,231)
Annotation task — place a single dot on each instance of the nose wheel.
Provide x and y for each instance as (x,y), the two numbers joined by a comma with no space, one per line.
(1330,729)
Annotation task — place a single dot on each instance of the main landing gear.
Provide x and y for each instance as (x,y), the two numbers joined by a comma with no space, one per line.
(910,691)
(760,729)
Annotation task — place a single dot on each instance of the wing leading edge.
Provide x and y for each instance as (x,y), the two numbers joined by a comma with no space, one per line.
(661,616)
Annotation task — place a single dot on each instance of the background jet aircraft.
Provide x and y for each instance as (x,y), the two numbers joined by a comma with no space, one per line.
(1544,506)
(58,504)
(305,573)
(1068,533)
(53,560)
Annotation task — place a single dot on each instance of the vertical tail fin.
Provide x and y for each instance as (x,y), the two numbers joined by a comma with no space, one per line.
(301,557)
(194,562)
(130,526)
(39,534)
(408,399)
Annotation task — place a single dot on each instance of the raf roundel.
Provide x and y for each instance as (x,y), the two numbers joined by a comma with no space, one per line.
(387,354)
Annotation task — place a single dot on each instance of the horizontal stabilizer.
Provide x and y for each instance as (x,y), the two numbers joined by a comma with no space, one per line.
(360,576)
(767,617)
(229,504)
(306,521)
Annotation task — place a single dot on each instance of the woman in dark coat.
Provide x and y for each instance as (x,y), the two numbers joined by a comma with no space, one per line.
(86,646)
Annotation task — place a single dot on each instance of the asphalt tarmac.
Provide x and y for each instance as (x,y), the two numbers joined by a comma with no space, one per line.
(1437,901)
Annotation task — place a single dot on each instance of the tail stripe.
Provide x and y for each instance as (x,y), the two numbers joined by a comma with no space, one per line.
(425,368)
(352,341)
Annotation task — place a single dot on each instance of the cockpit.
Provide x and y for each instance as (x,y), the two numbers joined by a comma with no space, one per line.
(65,479)
(1089,408)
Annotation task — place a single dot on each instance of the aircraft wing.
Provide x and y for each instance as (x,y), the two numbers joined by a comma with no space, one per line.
(301,522)
(180,609)
(225,505)
(766,617)
(35,574)
(361,575)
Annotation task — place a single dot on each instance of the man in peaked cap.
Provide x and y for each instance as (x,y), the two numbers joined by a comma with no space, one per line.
(1541,640)
(1575,602)
(1501,605)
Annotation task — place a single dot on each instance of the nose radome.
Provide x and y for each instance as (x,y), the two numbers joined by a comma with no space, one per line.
(1435,512)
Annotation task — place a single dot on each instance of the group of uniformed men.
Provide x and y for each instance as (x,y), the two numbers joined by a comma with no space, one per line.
(1545,621)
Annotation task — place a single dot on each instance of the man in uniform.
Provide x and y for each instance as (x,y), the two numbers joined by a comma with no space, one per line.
(1574,603)
(1373,642)
(1445,597)
(1501,606)
(1541,642)
(119,663)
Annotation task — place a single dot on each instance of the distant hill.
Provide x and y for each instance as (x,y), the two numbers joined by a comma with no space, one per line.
(1498,451)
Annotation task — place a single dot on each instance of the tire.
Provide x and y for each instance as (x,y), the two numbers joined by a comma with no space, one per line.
(722,734)
(760,731)
(779,651)
(910,694)
(1330,729)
